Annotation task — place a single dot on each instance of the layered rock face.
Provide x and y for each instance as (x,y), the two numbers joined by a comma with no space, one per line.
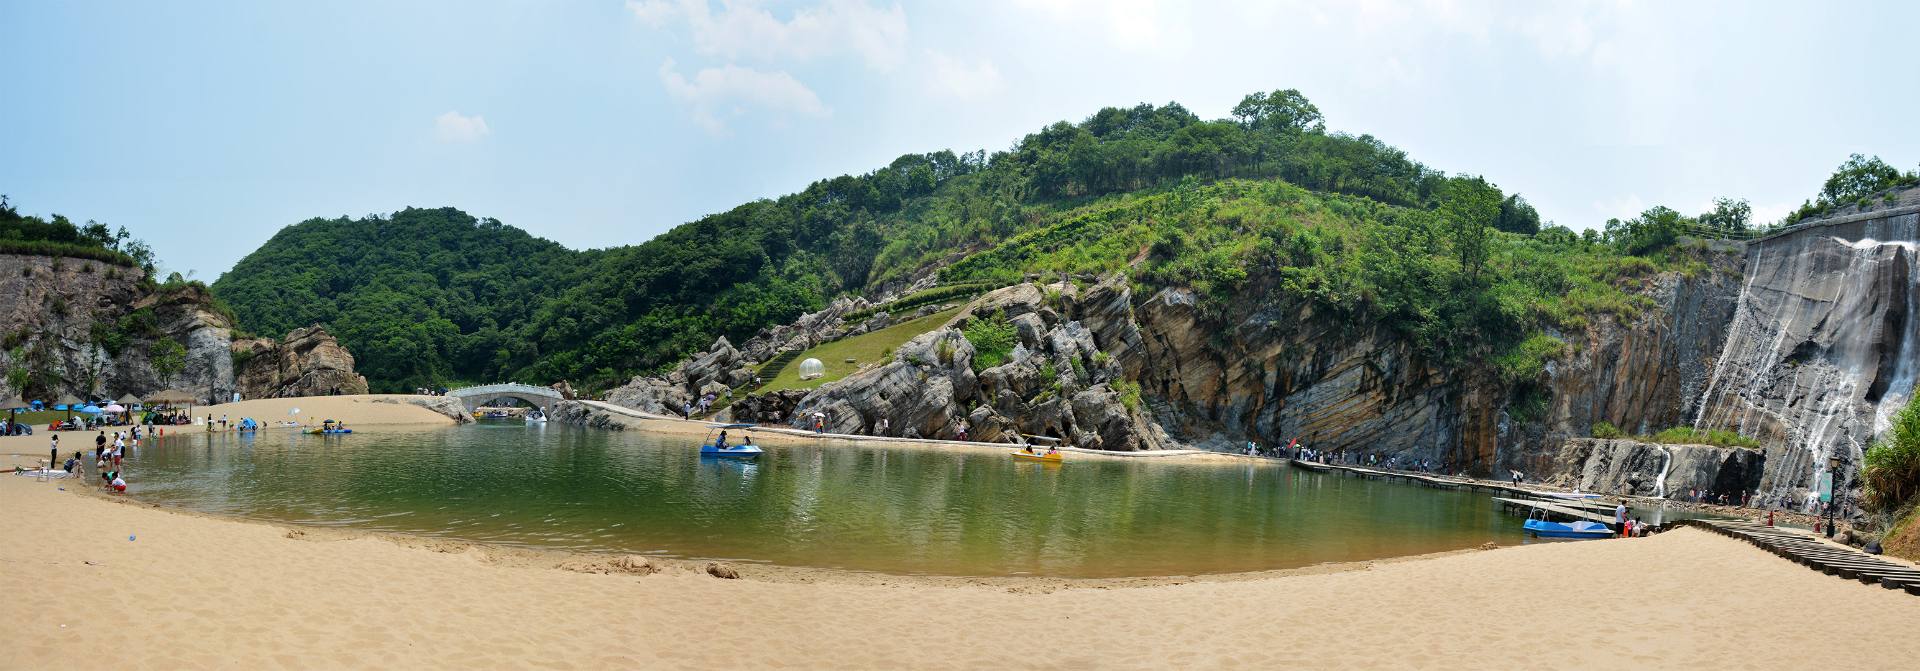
(1635,468)
(309,362)
(1805,340)
(1822,348)
(1058,381)
(86,327)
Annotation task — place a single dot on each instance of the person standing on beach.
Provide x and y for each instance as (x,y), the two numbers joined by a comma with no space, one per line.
(100,446)
(55,458)
(1620,517)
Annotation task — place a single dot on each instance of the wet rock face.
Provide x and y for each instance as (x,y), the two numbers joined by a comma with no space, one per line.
(1634,468)
(1822,348)
(308,362)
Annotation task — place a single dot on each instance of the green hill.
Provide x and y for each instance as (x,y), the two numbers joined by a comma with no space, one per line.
(433,296)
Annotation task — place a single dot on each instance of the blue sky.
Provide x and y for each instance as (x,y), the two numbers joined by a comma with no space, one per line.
(206,126)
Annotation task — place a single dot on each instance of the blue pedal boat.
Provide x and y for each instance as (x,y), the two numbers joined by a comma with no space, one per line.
(717,446)
(1582,529)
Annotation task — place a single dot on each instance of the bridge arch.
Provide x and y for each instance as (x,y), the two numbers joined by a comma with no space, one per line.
(476,396)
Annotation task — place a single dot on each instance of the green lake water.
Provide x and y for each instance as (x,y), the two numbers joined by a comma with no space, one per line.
(830,504)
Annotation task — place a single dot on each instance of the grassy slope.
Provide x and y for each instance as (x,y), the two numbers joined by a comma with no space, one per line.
(863,349)
(1903,540)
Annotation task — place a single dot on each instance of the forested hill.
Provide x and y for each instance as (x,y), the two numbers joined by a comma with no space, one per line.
(435,296)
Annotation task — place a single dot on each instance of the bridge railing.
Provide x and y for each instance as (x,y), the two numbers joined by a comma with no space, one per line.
(505,388)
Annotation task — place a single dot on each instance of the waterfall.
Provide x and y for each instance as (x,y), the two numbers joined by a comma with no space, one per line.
(1823,345)
(1660,481)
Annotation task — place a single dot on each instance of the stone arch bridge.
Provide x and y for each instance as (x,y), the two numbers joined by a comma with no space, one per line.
(476,396)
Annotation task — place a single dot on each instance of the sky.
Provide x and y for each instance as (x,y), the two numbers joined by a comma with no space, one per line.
(205,127)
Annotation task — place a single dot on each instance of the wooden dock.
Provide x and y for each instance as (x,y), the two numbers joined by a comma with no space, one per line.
(1556,509)
(1808,550)
(1443,482)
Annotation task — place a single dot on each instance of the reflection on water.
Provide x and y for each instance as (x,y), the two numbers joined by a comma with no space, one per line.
(827,504)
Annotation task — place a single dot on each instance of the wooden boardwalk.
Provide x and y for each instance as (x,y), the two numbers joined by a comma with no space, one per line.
(1556,508)
(1807,550)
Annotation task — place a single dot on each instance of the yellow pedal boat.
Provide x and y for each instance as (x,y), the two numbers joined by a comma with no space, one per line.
(1042,458)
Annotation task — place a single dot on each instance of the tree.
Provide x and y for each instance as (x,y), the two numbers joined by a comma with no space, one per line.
(1728,214)
(1517,216)
(1285,111)
(1654,229)
(1858,178)
(1469,206)
(169,357)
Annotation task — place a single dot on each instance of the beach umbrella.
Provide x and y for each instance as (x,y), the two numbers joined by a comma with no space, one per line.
(12,404)
(90,409)
(68,403)
(114,408)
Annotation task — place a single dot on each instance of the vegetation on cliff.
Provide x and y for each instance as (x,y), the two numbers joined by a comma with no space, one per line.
(1268,199)
(57,236)
(1892,470)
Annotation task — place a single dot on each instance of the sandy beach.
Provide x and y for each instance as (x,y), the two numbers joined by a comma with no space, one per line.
(102,582)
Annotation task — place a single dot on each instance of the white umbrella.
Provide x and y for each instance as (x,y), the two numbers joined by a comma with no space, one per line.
(820,414)
(114,407)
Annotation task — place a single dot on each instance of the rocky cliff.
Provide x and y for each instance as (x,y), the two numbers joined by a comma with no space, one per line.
(1804,340)
(308,362)
(86,327)
(1822,348)
(1635,468)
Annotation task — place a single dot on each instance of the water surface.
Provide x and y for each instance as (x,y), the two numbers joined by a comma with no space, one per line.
(829,504)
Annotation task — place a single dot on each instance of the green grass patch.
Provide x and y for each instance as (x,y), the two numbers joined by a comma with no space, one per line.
(866,348)
(1686,435)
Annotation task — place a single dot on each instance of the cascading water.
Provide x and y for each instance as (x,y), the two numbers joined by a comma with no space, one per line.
(1660,481)
(1822,347)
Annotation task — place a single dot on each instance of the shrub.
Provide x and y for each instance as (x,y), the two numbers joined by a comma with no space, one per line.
(1606,430)
(1686,435)
(1892,472)
(992,338)
(1129,393)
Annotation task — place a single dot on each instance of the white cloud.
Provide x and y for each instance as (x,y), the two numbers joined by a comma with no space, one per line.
(1619,207)
(713,95)
(742,30)
(954,77)
(457,127)
(1128,24)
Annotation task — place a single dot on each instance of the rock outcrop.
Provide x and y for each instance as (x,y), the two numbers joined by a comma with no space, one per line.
(1057,381)
(722,367)
(1635,468)
(308,362)
(86,327)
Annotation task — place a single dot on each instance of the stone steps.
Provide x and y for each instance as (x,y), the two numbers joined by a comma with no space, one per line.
(1834,560)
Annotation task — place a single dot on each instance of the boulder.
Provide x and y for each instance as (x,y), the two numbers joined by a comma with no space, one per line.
(722,571)
(651,394)
(769,408)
